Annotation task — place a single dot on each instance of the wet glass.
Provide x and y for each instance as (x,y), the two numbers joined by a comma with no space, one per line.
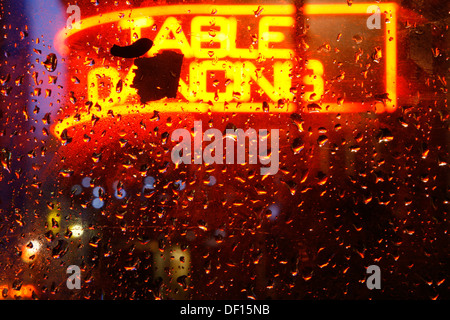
(345,102)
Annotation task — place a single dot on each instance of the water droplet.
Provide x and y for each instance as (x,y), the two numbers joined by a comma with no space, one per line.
(51,62)
(357,38)
(98,192)
(6,159)
(322,140)
(182,281)
(297,145)
(258,11)
(119,86)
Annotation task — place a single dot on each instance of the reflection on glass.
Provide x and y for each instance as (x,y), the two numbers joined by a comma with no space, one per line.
(356,89)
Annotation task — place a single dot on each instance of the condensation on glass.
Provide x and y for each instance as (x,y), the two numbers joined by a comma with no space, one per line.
(356,89)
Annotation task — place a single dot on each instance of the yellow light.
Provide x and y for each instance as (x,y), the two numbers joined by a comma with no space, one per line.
(162,41)
(135,25)
(77,230)
(190,10)
(30,250)
(315,79)
(53,221)
(172,107)
(267,37)
(25,292)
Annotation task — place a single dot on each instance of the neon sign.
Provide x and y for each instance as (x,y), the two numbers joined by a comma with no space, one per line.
(238,58)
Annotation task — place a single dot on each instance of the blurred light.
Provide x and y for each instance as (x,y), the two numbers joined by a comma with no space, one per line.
(53,220)
(149,182)
(76,189)
(274,211)
(30,250)
(25,292)
(77,230)
(180,184)
(118,193)
(98,191)
(212,181)
(86,182)
(97,203)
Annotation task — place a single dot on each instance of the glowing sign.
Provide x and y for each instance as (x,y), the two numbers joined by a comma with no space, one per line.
(238,58)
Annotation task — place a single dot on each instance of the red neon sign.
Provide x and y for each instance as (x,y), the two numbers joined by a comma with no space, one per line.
(238,58)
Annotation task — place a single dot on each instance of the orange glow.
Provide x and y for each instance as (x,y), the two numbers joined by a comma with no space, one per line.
(173,107)
(315,79)
(191,10)
(237,96)
(390,10)
(25,292)
(332,9)
(30,251)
